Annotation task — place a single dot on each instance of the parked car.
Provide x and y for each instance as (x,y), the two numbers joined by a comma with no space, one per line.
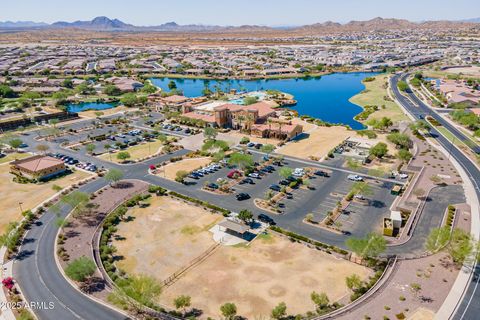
(403,176)
(354,177)
(258,146)
(264,218)
(254,175)
(233,173)
(250,144)
(275,187)
(242,196)
(321,173)
(284,182)
(247,180)
(213,186)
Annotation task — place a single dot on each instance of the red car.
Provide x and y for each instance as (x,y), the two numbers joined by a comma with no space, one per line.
(233,174)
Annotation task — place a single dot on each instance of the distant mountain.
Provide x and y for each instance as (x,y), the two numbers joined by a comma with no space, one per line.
(376,24)
(379,24)
(21,24)
(98,23)
(473,20)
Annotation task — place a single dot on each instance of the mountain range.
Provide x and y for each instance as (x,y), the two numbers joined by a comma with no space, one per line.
(107,24)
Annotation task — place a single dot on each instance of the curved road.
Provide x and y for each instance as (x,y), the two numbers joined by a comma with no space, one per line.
(41,281)
(469,307)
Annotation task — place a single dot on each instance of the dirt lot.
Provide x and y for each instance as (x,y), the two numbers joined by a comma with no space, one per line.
(29,194)
(106,112)
(319,142)
(170,170)
(259,277)
(164,237)
(469,71)
(136,152)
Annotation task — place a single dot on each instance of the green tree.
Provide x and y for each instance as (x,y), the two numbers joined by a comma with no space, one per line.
(280,311)
(379,150)
(78,202)
(182,302)
(113,176)
(181,175)
(142,289)
(112,90)
(245,215)
(210,133)
(402,86)
(353,282)
(6,92)
(462,246)
(81,268)
(67,83)
(404,155)
(320,300)
(172,85)
(15,143)
(361,187)
(241,160)
(218,156)
(415,288)
(369,247)
(229,310)
(129,100)
(267,148)
(148,88)
(285,172)
(437,239)
(401,140)
(123,155)
(90,148)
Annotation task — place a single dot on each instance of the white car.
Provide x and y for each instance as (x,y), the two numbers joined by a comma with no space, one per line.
(354,177)
(403,176)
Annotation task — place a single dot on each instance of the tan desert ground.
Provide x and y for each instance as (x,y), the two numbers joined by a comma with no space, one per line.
(30,195)
(319,142)
(165,236)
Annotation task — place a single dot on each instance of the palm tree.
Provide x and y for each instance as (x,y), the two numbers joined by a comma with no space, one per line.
(240,118)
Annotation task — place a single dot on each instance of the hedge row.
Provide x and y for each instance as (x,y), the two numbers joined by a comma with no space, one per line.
(206,204)
(318,244)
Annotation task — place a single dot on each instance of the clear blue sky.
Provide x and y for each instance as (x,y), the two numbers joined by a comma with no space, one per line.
(228,12)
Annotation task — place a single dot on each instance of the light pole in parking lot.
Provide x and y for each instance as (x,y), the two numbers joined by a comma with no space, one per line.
(20,205)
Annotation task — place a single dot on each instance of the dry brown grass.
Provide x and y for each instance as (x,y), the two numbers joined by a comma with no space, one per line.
(319,142)
(164,237)
(29,194)
(167,235)
(258,277)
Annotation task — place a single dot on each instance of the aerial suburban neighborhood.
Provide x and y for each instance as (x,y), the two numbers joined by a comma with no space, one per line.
(261,166)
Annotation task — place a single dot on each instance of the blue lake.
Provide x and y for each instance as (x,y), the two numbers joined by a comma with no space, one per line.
(323,97)
(79,107)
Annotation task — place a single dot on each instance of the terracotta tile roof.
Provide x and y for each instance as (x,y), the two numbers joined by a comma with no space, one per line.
(35,163)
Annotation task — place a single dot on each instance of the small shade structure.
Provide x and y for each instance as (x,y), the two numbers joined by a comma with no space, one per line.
(396,217)
(233,227)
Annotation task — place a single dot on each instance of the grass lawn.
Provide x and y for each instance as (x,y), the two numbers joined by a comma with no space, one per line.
(138,151)
(14,156)
(170,170)
(29,194)
(374,94)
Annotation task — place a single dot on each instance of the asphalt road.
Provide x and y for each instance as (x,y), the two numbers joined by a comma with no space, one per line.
(40,280)
(469,307)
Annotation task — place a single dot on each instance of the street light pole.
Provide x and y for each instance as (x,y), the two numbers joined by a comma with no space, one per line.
(21,209)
